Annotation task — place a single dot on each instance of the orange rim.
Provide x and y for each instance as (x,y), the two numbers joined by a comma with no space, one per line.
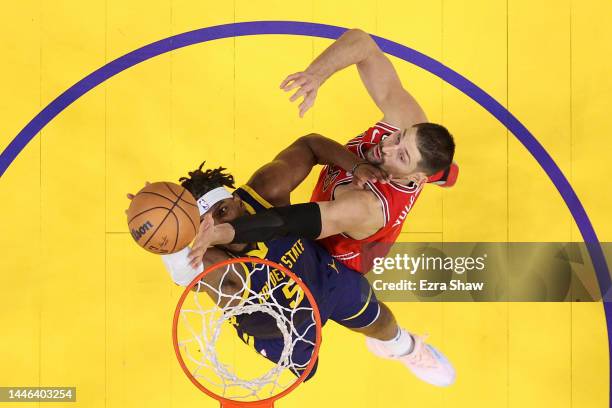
(268,402)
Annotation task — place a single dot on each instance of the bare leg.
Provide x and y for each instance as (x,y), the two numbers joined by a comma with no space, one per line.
(384,327)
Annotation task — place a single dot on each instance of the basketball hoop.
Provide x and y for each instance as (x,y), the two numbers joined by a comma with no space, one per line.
(202,317)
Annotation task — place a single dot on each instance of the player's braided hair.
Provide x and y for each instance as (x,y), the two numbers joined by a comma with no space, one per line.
(201,182)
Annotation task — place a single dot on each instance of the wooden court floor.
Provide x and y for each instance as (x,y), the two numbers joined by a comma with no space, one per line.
(81,305)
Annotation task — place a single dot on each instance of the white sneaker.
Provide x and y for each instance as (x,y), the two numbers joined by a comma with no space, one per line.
(424,361)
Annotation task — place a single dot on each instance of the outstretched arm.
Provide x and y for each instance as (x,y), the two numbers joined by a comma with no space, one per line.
(312,220)
(276,180)
(376,72)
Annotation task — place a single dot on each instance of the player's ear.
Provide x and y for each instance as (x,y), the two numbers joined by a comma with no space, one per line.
(419,178)
(237,201)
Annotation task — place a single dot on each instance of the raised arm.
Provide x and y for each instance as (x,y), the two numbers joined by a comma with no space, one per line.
(276,180)
(311,220)
(376,71)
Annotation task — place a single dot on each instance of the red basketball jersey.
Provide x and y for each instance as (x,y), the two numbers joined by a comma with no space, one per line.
(396,201)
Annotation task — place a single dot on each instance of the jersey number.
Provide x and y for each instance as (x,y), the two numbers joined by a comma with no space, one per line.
(293,289)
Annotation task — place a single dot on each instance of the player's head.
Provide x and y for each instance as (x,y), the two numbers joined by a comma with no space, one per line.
(208,187)
(414,153)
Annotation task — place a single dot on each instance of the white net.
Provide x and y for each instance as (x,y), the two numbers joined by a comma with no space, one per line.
(261,306)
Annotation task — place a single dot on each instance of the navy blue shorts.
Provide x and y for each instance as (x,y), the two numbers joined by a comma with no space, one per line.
(349,301)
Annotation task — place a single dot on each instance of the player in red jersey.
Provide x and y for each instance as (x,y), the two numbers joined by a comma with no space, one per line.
(394,200)
(408,148)
(359,224)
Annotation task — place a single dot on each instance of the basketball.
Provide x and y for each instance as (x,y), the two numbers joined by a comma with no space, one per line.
(163,217)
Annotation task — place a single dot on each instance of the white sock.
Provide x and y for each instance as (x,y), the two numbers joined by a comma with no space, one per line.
(401,344)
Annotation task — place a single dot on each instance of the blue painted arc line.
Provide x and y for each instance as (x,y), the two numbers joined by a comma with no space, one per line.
(332,32)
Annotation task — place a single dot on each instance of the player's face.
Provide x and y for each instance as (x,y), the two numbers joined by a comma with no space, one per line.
(398,155)
(228,210)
